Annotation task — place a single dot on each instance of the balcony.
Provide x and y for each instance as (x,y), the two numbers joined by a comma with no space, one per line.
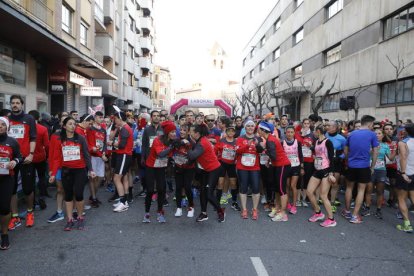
(145,83)
(99,18)
(36,10)
(109,87)
(145,63)
(147,5)
(142,99)
(129,35)
(105,44)
(129,64)
(146,44)
(117,55)
(117,20)
(147,25)
(127,92)
(137,71)
(98,55)
(131,7)
(109,11)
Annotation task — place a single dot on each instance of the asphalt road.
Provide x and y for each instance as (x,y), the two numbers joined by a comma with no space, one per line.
(119,244)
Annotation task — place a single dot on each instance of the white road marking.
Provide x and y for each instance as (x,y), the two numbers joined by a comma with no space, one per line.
(258,265)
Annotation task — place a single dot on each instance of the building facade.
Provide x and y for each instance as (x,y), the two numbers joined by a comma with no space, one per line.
(57,54)
(161,94)
(348,45)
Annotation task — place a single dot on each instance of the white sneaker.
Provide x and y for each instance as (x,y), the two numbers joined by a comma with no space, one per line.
(190,213)
(116,204)
(263,200)
(87,207)
(304,204)
(179,212)
(121,207)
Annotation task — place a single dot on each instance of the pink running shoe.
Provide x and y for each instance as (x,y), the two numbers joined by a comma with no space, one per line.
(328,223)
(317,217)
(293,210)
(289,206)
(154,197)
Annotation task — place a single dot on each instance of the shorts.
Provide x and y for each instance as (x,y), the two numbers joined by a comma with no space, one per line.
(113,160)
(359,175)
(59,175)
(320,174)
(402,185)
(122,164)
(392,173)
(338,165)
(294,171)
(98,166)
(379,176)
(230,169)
(281,176)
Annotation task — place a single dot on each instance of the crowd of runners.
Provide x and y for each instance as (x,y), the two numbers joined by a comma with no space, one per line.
(280,164)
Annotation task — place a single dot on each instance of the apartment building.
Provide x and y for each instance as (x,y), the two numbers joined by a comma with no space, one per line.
(61,55)
(162,97)
(346,44)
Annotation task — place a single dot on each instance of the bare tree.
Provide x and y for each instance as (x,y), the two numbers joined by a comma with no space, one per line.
(317,102)
(356,94)
(258,98)
(274,94)
(243,102)
(399,67)
(295,94)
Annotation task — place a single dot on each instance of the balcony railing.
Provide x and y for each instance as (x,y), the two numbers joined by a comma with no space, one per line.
(36,10)
(98,54)
(99,14)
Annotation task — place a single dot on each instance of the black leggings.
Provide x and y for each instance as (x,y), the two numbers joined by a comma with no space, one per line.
(73,181)
(207,187)
(6,191)
(183,178)
(155,180)
(309,169)
(41,168)
(267,176)
(28,178)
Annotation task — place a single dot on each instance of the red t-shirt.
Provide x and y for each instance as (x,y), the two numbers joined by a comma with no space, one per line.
(208,160)
(226,151)
(126,138)
(42,144)
(23,129)
(153,160)
(96,137)
(281,157)
(248,158)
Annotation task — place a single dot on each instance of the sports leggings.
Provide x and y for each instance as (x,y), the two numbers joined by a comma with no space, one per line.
(73,181)
(41,168)
(6,191)
(183,178)
(28,178)
(155,180)
(208,185)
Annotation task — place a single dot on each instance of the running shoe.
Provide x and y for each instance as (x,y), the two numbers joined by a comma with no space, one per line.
(289,206)
(14,222)
(223,200)
(130,199)
(202,217)
(179,212)
(142,194)
(114,197)
(266,207)
(154,197)
(94,203)
(255,214)
(110,188)
(355,219)
(280,218)
(328,223)
(365,212)
(146,218)
(42,204)
(244,214)
(56,217)
(334,209)
(235,206)
(80,223)
(399,215)
(305,204)
(263,199)
(378,214)
(166,204)
(116,204)
(69,225)
(352,204)
(336,203)
(298,203)
(87,207)
(5,244)
(320,202)
(346,214)
(136,180)
(406,227)
(29,219)
(229,195)
(273,213)
(121,207)
(190,213)
(221,215)
(75,215)
(293,210)
(317,217)
(161,217)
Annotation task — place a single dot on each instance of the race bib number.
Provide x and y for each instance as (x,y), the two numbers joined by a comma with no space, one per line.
(71,153)
(180,159)
(17,131)
(306,151)
(99,144)
(151,140)
(264,159)
(248,159)
(161,162)
(294,160)
(388,161)
(228,154)
(379,164)
(318,163)
(4,162)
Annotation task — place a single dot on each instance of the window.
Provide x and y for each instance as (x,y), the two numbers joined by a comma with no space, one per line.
(262,41)
(244,61)
(275,83)
(41,76)
(331,103)
(131,24)
(262,65)
(243,80)
(130,79)
(333,55)
(399,23)
(84,34)
(276,54)
(335,7)
(66,18)
(252,51)
(276,25)
(403,92)
(131,51)
(298,36)
(12,66)
(298,3)
(251,74)
(297,72)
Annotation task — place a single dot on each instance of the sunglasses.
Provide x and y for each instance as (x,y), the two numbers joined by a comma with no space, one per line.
(210,120)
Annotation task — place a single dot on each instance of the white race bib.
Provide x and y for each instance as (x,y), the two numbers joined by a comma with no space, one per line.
(264,159)
(294,160)
(4,162)
(318,163)
(306,151)
(388,161)
(71,153)
(99,144)
(180,159)
(248,159)
(151,140)
(228,154)
(161,162)
(379,164)
(16,131)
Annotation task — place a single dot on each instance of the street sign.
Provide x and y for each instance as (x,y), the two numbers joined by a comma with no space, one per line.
(93,91)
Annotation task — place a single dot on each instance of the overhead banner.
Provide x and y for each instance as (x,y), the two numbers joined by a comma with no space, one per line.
(200,102)
(94,91)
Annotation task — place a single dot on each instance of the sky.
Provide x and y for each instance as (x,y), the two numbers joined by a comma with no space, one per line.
(186,29)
